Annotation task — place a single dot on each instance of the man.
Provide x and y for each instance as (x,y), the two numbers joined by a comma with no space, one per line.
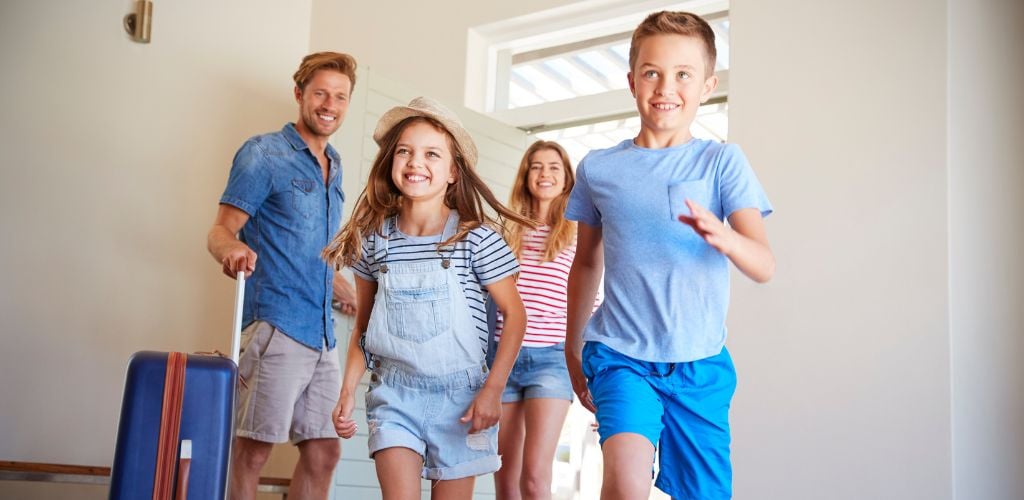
(283,200)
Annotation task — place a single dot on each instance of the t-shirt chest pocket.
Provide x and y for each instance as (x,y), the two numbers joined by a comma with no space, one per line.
(698,191)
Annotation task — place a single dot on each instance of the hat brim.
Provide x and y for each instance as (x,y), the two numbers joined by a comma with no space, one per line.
(397,114)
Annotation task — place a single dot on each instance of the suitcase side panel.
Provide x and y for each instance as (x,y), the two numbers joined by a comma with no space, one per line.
(138,428)
(207,419)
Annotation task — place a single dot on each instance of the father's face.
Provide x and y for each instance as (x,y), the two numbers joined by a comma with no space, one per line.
(324,102)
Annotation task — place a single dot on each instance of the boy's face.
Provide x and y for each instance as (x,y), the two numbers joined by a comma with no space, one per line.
(669,83)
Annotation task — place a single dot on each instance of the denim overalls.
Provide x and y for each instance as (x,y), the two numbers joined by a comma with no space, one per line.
(427,363)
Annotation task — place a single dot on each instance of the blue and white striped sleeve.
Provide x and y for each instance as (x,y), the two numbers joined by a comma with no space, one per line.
(493,260)
(365,266)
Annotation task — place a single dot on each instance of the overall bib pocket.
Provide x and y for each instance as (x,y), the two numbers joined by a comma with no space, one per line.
(418,314)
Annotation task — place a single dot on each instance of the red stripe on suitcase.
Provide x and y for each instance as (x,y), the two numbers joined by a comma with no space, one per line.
(170,426)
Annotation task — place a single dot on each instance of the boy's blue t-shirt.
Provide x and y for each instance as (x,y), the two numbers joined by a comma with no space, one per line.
(666,290)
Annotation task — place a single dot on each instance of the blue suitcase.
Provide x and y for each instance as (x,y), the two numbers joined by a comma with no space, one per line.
(180,407)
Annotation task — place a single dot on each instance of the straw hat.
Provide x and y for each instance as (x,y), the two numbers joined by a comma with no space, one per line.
(425,106)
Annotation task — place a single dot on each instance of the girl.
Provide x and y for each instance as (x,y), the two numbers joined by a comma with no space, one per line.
(422,253)
(539,392)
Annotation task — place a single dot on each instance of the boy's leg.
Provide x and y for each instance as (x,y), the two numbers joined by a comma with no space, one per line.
(511,434)
(695,444)
(629,416)
(627,467)
(398,472)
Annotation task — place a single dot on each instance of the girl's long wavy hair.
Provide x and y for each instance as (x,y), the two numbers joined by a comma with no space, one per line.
(381,199)
(563,231)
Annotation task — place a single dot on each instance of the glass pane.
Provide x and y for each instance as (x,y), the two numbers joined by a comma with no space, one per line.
(712,123)
(588,71)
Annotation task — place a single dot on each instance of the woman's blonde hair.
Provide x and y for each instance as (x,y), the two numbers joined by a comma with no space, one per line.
(381,199)
(563,231)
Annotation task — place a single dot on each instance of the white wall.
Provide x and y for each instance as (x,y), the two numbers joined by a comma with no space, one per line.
(887,135)
(112,157)
(843,359)
(986,200)
(421,44)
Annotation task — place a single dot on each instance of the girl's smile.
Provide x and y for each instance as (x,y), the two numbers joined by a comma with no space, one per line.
(423,166)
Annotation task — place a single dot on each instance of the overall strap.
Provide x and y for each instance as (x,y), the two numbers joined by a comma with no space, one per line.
(387,229)
(451,226)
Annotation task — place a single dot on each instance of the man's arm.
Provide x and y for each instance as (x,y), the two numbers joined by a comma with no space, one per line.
(584,279)
(223,244)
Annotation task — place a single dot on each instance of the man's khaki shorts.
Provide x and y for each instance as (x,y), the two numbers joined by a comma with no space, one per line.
(288,390)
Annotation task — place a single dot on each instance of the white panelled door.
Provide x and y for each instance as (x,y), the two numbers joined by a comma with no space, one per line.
(501,147)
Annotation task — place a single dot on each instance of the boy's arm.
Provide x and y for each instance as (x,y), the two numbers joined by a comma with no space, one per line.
(486,408)
(223,244)
(744,241)
(355,363)
(584,279)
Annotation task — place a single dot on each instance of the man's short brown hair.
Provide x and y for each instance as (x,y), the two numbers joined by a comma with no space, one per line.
(676,23)
(335,61)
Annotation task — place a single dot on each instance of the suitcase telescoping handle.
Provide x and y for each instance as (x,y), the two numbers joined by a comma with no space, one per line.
(236,326)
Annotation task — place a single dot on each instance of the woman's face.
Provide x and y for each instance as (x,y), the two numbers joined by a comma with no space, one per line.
(545,178)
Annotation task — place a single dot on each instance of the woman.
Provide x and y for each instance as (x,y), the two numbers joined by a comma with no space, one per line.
(538,393)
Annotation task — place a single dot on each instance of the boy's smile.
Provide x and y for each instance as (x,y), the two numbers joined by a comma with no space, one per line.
(669,83)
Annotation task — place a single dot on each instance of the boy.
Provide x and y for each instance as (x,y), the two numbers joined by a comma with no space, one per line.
(654,367)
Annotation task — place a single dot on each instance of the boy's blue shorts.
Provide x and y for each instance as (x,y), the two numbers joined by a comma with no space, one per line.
(684,407)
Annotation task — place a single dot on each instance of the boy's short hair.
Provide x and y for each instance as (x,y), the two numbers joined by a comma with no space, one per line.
(335,61)
(676,23)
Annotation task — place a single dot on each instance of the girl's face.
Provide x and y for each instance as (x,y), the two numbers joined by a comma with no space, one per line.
(545,176)
(423,165)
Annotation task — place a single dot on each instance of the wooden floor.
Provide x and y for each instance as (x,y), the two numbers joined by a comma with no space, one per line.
(86,474)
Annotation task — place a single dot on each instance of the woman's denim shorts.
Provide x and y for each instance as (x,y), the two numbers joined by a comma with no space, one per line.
(539,372)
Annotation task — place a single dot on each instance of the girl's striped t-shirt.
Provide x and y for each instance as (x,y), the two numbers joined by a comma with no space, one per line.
(543,288)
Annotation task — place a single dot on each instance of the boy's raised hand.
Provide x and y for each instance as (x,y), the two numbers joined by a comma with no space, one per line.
(707,225)
(344,424)
(484,412)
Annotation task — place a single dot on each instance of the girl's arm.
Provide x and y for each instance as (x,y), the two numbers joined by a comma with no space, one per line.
(355,363)
(584,279)
(486,408)
(744,241)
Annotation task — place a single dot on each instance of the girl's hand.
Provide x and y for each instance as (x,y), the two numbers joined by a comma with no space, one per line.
(707,225)
(344,424)
(485,412)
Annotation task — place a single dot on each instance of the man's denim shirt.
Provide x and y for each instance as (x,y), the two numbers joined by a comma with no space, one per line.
(277,181)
